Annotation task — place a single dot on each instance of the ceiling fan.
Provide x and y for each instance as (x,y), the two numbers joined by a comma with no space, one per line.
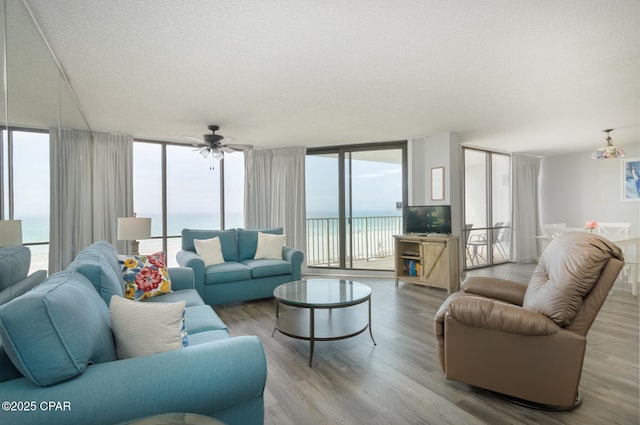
(217,144)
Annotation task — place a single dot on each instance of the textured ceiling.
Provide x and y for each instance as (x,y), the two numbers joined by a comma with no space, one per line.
(541,77)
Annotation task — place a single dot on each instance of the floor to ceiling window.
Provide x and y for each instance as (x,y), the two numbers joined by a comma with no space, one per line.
(179,189)
(487,207)
(354,198)
(25,189)
(233,201)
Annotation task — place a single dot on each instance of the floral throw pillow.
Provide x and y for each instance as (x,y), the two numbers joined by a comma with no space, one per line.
(145,276)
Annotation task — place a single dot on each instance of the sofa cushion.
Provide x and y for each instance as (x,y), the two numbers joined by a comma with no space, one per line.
(229,271)
(210,250)
(99,264)
(14,265)
(248,241)
(269,246)
(264,268)
(202,318)
(53,332)
(566,272)
(142,329)
(189,296)
(208,336)
(145,276)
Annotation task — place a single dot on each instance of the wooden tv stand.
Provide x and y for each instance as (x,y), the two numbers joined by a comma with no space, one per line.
(430,260)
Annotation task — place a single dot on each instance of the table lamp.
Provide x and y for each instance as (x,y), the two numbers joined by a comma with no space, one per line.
(10,232)
(132,229)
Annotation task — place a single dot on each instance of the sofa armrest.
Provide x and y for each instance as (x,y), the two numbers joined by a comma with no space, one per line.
(495,288)
(22,287)
(181,278)
(190,259)
(204,379)
(479,312)
(295,256)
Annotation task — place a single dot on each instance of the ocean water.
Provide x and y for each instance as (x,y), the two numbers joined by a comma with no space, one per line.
(35,228)
(371,234)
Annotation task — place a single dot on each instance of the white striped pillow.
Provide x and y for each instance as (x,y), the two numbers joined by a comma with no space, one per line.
(142,329)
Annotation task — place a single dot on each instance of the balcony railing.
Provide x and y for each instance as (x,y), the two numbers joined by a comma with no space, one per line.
(369,238)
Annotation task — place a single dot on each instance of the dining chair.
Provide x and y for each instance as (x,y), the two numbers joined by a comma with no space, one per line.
(613,231)
(479,242)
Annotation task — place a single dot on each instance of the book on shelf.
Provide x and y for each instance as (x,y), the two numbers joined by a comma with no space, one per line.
(411,267)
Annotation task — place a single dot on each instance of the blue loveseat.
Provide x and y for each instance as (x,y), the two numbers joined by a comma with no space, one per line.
(240,277)
(58,361)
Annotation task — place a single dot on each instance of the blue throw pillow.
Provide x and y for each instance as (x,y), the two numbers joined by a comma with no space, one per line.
(53,332)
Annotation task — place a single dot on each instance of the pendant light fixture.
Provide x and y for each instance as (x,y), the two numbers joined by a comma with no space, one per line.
(608,151)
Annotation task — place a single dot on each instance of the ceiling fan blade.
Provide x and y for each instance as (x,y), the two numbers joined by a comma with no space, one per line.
(227,149)
(200,141)
(225,140)
(239,147)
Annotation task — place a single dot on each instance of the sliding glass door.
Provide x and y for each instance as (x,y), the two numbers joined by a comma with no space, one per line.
(487,207)
(354,205)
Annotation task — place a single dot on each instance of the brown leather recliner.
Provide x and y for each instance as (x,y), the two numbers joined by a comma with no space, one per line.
(528,341)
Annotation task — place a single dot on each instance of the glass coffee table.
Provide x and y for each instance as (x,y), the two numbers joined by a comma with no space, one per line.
(321,310)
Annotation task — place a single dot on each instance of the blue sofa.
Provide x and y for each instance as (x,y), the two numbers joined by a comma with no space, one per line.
(240,277)
(58,361)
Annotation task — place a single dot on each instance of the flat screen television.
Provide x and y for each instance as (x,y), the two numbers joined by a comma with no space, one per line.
(428,219)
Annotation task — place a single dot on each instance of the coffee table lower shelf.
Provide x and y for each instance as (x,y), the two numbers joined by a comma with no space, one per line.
(330,324)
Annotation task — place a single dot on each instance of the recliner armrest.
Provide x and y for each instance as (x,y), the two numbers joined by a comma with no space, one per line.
(495,288)
(484,313)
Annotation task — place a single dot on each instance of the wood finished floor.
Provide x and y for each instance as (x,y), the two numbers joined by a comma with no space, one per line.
(399,381)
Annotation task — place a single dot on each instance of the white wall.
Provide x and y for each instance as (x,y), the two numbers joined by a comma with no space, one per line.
(439,150)
(576,189)
(425,154)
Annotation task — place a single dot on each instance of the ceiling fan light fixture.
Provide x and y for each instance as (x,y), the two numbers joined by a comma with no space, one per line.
(216,145)
(217,154)
(609,150)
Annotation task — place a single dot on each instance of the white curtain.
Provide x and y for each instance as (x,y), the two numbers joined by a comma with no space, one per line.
(275,192)
(90,188)
(526,177)
(112,186)
(70,225)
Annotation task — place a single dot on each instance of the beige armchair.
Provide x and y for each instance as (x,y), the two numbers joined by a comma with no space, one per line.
(527,342)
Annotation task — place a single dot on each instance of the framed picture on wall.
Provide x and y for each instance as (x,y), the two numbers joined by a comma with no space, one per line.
(437,184)
(631,179)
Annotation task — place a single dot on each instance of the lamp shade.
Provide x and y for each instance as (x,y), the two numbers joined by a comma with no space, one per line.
(133,228)
(10,232)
